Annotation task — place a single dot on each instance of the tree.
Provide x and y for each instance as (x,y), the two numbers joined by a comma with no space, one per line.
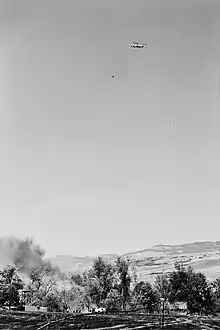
(125,280)
(145,296)
(80,298)
(215,295)
(163,286)
(190,287)
(10,285)
(81,295)
(113,301)
(42,289)
(103,282)
(76,278)
(200,299)
(99,280)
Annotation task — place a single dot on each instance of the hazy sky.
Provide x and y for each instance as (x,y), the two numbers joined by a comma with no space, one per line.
(91,164)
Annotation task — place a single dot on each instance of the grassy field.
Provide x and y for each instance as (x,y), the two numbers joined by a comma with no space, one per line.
(16,320)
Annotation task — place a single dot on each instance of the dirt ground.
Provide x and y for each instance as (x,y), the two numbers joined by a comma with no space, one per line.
(49,321)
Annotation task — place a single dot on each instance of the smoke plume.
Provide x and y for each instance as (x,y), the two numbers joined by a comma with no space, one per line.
(24,254)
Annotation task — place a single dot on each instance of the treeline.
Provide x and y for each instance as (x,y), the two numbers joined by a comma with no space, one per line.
(110,285)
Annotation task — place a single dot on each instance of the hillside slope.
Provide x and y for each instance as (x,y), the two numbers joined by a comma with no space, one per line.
(68,263)
(202,256)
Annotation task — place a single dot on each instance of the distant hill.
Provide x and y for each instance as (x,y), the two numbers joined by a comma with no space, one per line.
(77,264)
(202,256)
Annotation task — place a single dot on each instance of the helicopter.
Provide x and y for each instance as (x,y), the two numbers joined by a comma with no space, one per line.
(135,44)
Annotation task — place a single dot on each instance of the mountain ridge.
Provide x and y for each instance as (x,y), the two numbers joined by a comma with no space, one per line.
(201,255)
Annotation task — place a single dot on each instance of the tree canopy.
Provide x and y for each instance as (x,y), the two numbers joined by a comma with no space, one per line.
(10,285)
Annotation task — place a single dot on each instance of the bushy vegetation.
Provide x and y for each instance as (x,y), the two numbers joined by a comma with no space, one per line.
(113,286)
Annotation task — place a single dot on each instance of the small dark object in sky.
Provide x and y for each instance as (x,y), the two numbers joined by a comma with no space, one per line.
(113,77)
(135,44)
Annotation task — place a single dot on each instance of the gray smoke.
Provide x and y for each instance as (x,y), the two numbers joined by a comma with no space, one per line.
(24,254)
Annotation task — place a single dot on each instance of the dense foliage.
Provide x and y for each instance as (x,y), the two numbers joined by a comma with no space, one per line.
(10,285)
(113,286)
